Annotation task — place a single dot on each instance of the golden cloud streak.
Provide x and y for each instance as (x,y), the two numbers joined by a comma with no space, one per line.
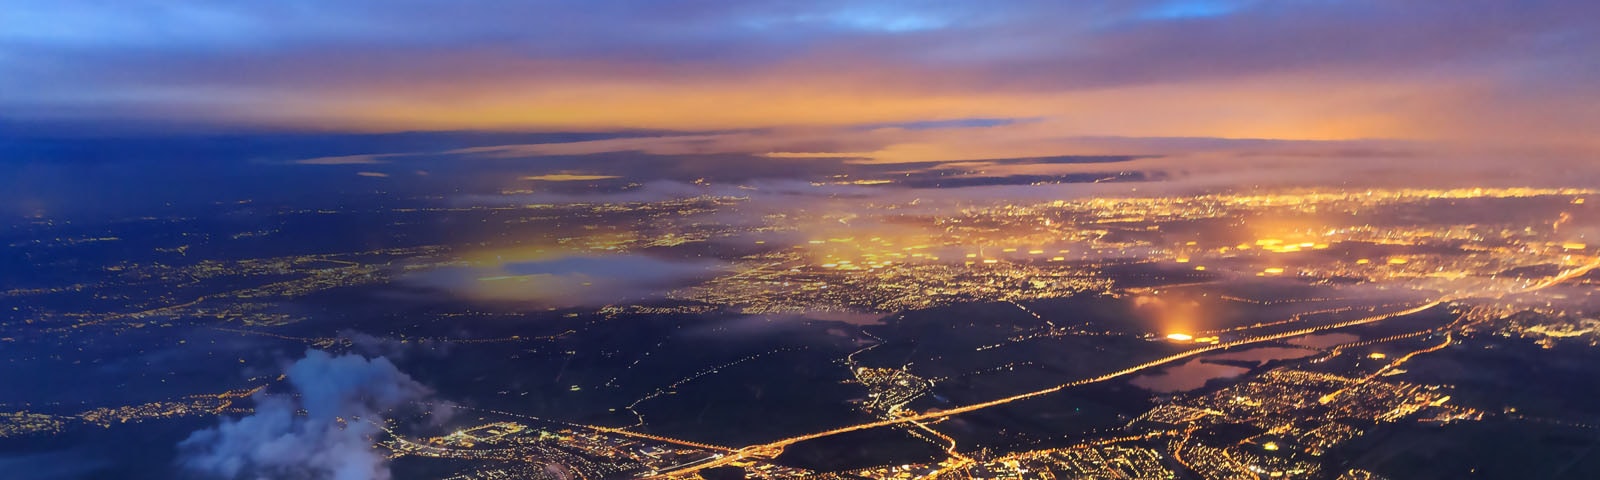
(568,177)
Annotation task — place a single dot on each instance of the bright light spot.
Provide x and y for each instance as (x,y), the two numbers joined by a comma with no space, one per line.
(1270,446)
(1273,271)
(1377,356)
(1181,337)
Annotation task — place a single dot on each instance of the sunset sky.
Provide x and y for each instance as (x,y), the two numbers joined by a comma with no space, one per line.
(1429,83)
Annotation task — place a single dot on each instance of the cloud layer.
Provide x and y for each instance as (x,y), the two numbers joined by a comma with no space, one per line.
(1224,93)
(1296,69)
(559,280)
(342,397)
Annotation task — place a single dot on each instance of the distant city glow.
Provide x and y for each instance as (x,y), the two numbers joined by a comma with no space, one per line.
(768,239)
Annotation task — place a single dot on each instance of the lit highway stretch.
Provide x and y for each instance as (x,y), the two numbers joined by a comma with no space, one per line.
(772,449)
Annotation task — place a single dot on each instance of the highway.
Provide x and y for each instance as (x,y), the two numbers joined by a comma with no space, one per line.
(772,449)
(609,430)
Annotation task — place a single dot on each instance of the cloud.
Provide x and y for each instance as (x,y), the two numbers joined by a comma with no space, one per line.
(655,145)
(341,396)
(393,348)
(561,280)
(568,177)
(371,159)
(738,90)
(1292,69)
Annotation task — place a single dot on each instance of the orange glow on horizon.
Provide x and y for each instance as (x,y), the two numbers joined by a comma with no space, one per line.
(568,177)
(600,97)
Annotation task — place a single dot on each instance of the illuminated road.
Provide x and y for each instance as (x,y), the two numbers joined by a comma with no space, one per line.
(1449,338)
(646,436)
(772,449)
(610,430)
(955,461)
(1564,276)
(769,450)
(1177,447)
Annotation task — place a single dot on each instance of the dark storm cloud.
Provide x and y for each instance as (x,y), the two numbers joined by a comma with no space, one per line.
(343,398)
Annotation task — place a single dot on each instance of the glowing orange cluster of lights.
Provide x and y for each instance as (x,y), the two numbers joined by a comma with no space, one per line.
(1187,338)
(1279,246)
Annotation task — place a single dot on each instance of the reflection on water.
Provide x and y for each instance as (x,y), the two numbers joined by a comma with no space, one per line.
(852,318)
(1188,376)
(1265,354)
(1196,372)
(1324,340)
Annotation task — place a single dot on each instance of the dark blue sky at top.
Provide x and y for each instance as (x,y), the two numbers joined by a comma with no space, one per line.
(192,63)
(143,101)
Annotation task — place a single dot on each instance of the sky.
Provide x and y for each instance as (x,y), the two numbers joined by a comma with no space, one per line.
(1213,86)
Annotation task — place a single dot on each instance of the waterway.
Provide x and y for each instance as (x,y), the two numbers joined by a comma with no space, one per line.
(1324,340)
(1196,372)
